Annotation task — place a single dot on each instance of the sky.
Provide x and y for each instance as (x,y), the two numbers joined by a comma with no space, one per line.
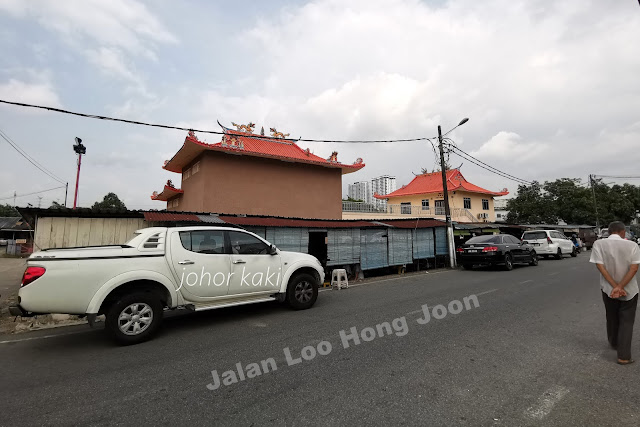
(550,88)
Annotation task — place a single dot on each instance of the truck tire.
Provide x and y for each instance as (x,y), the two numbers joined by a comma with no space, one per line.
(302,291)
(134,318)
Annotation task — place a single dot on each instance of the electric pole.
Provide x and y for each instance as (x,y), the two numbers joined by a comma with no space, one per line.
(80,150)
(595,203)
(447,210)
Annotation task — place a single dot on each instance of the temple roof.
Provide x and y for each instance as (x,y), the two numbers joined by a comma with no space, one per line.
(432,183)
(167,193)
(249,144)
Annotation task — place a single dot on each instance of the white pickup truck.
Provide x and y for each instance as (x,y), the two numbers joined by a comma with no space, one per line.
(197,268)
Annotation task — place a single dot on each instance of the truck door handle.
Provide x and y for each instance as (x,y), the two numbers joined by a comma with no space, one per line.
(185,262)
(239,261)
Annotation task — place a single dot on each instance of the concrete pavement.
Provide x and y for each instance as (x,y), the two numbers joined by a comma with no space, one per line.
(533,352)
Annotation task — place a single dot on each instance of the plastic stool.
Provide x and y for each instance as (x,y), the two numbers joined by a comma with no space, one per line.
(339,278)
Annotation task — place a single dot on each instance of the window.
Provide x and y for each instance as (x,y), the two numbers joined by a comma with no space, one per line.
(246,244)
(485,204)
(511,239)
(485,239)
(203,241)
(195,168)
(498,215)
(186,174)
(534,235)
(405,208)
(467,203)
(425,204)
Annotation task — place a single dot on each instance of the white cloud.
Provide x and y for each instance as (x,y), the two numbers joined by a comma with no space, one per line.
(126,24)
(509,146)
(31,93)
(111,62)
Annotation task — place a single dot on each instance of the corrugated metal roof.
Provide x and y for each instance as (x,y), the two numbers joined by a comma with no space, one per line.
(13,223)
(170,217)
(412,223)
(288,222)
(211,219)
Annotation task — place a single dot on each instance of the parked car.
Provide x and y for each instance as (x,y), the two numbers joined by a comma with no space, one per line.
(502,249)
(550,243)
(588,236)
(198,268)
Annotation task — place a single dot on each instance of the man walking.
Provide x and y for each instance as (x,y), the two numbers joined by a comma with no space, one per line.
(617,260)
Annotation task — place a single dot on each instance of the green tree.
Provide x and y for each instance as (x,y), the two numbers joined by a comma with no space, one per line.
(110,201)
(571,201)
(8,210)
(531,206)
(56,205)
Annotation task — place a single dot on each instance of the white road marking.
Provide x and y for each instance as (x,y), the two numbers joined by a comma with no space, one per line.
(546,402)
(487,292)
(553,274)
(44,336)
(526,281)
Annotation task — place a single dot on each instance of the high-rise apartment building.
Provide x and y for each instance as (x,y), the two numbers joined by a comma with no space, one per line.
(360,191)
(382,185)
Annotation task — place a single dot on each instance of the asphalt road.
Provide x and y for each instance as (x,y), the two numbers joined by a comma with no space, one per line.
(533,352)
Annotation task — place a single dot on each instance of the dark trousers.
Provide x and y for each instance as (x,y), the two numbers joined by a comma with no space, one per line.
(620,318)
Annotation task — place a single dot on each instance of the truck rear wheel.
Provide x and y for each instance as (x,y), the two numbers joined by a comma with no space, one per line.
(302,291)
(134,318)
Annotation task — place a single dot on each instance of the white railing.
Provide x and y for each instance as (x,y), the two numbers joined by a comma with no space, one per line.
(408,210)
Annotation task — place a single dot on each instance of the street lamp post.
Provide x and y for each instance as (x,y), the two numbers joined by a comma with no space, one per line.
(447,211)
(80,150)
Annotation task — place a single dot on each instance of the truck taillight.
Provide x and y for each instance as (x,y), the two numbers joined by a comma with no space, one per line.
(460,250)
(490,249)
(31,274)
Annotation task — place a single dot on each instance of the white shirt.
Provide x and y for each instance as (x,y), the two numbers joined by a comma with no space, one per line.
(617,255)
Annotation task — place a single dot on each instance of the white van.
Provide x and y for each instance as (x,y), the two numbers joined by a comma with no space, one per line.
(550,242)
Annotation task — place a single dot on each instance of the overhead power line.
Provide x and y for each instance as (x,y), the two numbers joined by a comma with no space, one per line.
(31,194)
(617,177)
(484,165)
(163,126)
(30,159)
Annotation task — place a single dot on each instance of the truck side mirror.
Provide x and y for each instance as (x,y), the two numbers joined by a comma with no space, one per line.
(273,250)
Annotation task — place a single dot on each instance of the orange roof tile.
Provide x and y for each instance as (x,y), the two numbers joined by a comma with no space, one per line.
(432,183)
(166,194)
(244,143)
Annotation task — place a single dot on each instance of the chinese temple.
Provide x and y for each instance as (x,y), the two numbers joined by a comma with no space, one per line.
(255,174)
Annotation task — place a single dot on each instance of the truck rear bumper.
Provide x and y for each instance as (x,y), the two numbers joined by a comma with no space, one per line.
(17,310)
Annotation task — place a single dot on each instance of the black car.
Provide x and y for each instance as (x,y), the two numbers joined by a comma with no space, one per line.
(496,249)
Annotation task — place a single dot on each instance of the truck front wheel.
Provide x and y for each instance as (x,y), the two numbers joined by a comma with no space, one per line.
(302,291)
(134,318)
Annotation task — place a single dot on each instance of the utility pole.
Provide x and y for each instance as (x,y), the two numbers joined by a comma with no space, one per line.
(80,150)
(14,199)
(595,203)
(66,190)
(447,211)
